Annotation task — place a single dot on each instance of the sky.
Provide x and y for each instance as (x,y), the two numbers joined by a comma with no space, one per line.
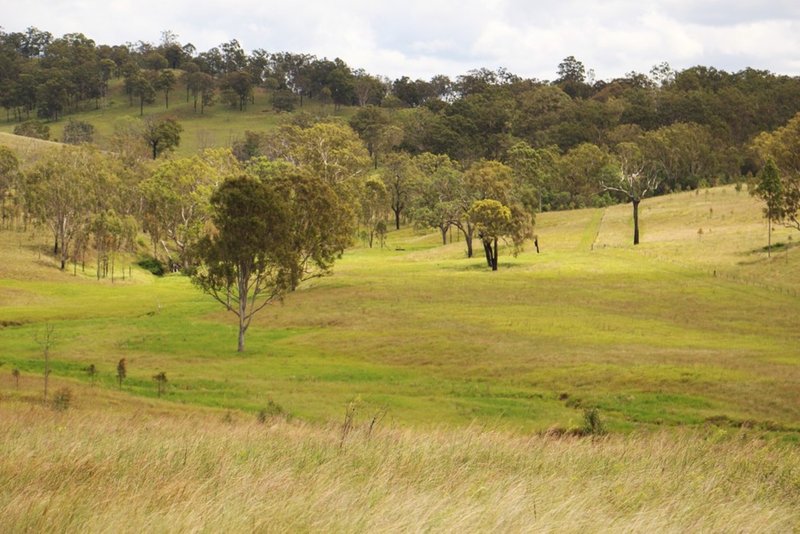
(422,38)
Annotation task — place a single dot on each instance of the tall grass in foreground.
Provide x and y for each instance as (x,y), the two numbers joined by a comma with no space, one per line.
(89,471)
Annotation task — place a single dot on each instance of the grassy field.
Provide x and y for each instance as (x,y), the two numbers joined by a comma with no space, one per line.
(477,382)
(682,330)
(144,467)
(219,125)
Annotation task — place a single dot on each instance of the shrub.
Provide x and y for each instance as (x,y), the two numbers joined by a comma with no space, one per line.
(62,399)
(592,424)
(78,132)
(152,265)
(273,409)
(33,128)
(161,382)
(283,100)
(122,371)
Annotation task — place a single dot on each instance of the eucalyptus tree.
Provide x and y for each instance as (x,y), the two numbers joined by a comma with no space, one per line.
(239,84)
(374,201)
(369,122)
(684,154)
(536,173)
(484,180)
(262,243)
(242,262)
(56,191)
(635,179)
(142,87)
(320,222)
(330,150)
(439,194)
(401,178)
(494,221)
(165,82)
(782,146)
(162,135)
(176,201)
(770,189)
(202,86)
(9,170)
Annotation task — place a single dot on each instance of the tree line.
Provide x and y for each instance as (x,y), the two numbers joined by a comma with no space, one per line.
(700,120)
(480,114)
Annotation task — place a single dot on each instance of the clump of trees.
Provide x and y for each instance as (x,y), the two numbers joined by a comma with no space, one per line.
(78,132)
(778,183)
(33,128)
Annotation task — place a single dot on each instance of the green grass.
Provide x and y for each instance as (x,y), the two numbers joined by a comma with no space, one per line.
(219,125)
(676,331)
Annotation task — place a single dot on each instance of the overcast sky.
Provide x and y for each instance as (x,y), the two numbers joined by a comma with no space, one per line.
(421,38)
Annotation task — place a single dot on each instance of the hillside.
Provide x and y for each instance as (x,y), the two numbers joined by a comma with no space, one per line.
(218,125)
(415,389)
(683,329)
(586,385)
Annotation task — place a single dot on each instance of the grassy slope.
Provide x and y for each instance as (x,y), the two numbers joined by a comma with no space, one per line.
(219,125)
(649,335)
(682,328)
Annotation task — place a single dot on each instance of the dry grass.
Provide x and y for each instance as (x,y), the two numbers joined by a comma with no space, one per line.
(27,149)
(140,469)
(720,230)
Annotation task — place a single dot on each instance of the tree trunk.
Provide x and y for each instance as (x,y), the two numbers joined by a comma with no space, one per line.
(487,250)
(242,330)
(396,218)
(769,234)
(46,365)
(494,256)
(636,221)
(443,229)
(243,277)
(64,250)
(467,230)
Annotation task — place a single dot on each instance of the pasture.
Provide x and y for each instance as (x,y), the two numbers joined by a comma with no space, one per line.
(414,389)
(681,330)
(218,125)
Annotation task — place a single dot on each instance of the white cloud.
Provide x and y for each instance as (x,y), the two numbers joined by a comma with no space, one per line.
(421,38)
